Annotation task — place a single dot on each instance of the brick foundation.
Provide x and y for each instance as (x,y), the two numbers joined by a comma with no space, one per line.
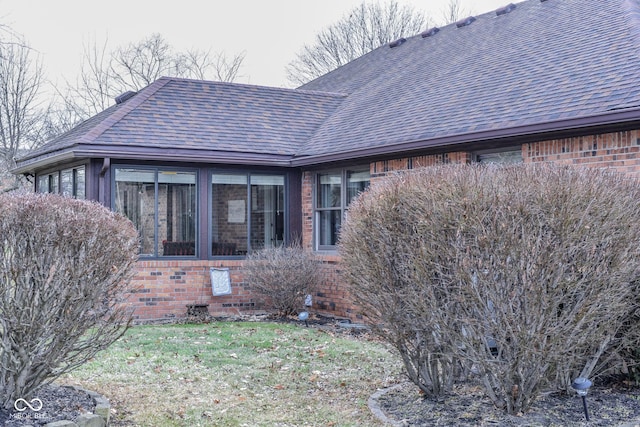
(165,288)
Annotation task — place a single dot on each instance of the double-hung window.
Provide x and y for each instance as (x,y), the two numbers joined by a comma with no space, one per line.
(334,191)
(247,212)
(162,204)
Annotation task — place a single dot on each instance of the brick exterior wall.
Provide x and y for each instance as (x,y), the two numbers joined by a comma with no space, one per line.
(307,209)
(618,151)
(381,168)
(166,287)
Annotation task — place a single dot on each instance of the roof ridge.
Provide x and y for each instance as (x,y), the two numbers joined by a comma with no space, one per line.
(473,17)
(632,7)
(125,108)
(254,86)
(323,92)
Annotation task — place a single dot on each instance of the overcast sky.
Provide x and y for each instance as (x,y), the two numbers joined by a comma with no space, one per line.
(270,32)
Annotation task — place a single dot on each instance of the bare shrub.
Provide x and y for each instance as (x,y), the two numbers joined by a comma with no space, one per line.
(283,276)
(64,266)
(524,272)
(376,247)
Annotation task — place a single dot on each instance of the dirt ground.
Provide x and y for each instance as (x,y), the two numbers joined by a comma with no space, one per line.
(612,405)
(54,403)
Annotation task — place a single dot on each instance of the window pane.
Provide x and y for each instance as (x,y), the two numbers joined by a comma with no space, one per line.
(229,231)
(43,184)
(135,199)
(503,157)
(80,192)
(176,213)
(329,190)
(328,227)
(357,182)
(54,183)
(267,211)
(66,183)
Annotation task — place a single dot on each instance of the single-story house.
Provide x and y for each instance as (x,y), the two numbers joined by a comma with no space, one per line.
(210,171)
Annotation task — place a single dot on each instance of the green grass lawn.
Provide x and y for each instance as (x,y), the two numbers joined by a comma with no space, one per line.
(239,374)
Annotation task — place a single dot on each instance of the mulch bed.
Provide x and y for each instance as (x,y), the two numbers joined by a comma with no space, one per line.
(58,403)
(612,405)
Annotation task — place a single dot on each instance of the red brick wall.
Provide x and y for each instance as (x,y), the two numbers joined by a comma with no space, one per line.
(381,168)
(307,209)
(619,151)
(333,299)
(165,288)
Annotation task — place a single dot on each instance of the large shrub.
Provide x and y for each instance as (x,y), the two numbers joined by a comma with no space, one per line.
(526,273)
(64,266)
(283,276)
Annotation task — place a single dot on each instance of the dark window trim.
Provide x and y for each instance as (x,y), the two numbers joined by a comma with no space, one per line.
(476,156)
(343,201)
(58,171)
(156,169)
(245,172)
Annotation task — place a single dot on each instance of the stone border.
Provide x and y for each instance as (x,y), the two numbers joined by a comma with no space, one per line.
(375,409)
(100,417)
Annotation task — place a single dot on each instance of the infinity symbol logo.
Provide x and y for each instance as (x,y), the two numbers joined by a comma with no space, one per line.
(21,405)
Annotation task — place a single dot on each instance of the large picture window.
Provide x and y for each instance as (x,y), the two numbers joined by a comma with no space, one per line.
(162,204)
(334,192)
(247,212)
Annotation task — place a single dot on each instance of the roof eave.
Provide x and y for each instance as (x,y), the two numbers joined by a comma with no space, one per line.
(551,129)
(87,151)
(29,167)
(184,155)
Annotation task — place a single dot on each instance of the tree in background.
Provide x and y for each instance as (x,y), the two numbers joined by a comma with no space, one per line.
(21,112)
(365,28)
(454,11)
(105,75)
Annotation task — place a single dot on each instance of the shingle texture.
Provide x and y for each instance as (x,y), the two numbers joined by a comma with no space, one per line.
(224,117)
(179,113)
(541,63)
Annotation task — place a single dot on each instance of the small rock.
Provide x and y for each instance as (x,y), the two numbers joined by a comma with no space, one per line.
(63,423)
(90,420)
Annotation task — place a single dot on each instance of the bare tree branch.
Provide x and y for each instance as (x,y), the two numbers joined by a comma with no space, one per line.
(105,75)
(454,12)
(21,115)
(140,64)
(366,27)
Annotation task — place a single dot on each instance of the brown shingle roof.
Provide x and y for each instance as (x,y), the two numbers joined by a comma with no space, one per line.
(545,66)
(203,119)
(544,62)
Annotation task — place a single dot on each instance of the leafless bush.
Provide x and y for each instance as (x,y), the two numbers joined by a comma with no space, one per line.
(376,248)
(283,275)
(64,266)
(524,272)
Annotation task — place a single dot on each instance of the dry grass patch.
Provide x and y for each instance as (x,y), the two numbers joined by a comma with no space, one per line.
(239,374)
